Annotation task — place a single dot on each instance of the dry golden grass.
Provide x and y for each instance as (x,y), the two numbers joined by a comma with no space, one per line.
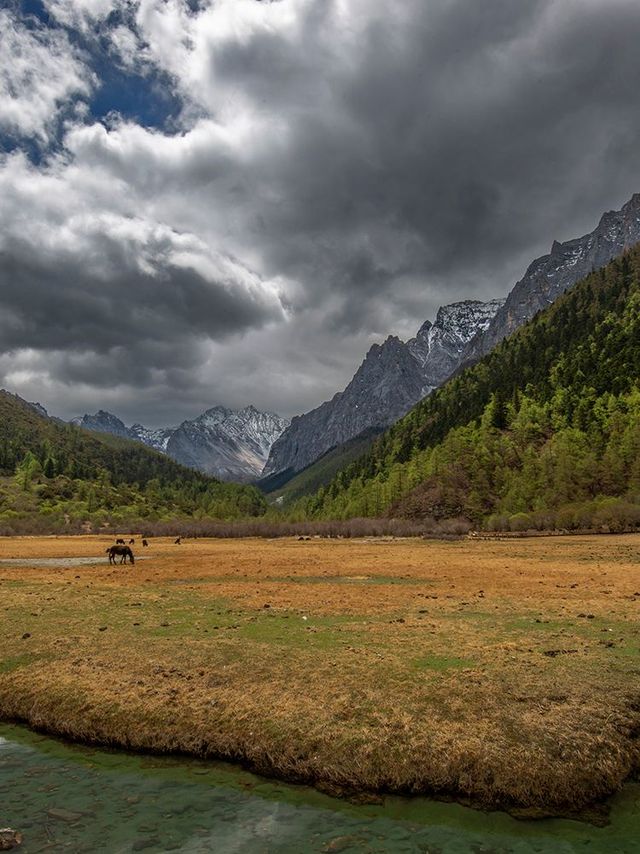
(502,672)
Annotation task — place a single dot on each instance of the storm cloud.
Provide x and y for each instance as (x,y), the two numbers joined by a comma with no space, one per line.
(336,170)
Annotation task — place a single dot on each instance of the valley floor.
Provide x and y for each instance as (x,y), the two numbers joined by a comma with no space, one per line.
(501,673)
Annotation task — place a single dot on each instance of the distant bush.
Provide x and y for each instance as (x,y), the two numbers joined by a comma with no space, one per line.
(520,522)
(497,522)
(275,528)
(617,514)
(602,514)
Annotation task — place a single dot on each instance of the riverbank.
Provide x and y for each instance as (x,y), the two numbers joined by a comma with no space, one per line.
(502,673)
(85,800)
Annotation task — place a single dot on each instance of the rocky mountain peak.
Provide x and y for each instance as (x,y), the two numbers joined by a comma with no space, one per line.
(214,415)
(438,346)
(391,379)
(227,444)
(102,422)
(39,408)
(551,275)
(424,329)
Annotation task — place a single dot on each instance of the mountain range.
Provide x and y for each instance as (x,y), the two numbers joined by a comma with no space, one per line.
(542,432)
(231,445)
(395,376)
(55,477)
(551,275)
(246,445)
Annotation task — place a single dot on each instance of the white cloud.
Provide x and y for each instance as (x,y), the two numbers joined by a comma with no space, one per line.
(339,171)
(40,74)
(90,273)
(82,13)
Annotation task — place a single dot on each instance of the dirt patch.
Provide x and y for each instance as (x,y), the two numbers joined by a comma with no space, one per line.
(500,672)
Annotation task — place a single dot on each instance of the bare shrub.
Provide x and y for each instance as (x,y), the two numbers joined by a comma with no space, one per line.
(458,526)
(617,514)
(520,522)
(497,522)
(367,527)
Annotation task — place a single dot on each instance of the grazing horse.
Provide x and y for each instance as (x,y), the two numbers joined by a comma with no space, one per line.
(119,542)
(145,543)
(123,551)
(132,542)
(177,542)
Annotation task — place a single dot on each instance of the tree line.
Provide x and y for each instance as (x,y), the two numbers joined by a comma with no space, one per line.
(549,420)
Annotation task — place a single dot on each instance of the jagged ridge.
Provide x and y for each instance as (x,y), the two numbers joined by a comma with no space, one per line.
(393,377)
(232,445)
(551,275)
(461,334)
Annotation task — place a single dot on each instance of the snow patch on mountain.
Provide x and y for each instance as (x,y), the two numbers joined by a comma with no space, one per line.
(228,444)
(551,275)
(393,377)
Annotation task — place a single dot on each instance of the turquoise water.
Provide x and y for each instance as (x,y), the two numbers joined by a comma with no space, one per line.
(67,798)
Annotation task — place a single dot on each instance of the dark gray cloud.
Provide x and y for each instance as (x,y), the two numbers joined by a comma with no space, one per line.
(466,140)
(341,171)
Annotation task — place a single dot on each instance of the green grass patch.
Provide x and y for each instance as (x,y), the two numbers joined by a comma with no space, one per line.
(16,662)
(441,662)
(293,630)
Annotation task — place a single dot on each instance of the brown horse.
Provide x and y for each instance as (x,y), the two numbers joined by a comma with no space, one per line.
(123,551)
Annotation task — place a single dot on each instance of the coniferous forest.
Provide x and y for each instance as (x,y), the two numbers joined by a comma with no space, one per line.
(544,432)
(55,476)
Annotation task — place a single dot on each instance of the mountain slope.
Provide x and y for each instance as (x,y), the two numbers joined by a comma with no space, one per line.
(385,386)
(546,428)
(438,346)
(284,488)
(67,471)
(391,379)
(229,445)
(551,275)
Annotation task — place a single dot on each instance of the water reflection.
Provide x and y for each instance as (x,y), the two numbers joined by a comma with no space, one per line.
(66,798)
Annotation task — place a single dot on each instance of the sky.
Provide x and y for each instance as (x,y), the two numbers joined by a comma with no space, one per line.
(228,202)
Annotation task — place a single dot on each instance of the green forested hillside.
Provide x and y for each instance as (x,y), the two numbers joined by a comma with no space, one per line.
(319,473)
(544,431)
(65,475)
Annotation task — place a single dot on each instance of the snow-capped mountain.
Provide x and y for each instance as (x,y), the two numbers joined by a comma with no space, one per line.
(438,345)
(393,377)
(551,275)
(156,439)
(461,334)
(231,445)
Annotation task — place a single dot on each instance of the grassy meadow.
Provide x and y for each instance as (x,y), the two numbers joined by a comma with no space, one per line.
(503,673)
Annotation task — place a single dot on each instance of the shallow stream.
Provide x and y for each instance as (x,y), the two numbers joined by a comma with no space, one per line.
(68,798)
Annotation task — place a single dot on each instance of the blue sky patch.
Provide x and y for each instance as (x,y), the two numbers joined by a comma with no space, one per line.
(146,98)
